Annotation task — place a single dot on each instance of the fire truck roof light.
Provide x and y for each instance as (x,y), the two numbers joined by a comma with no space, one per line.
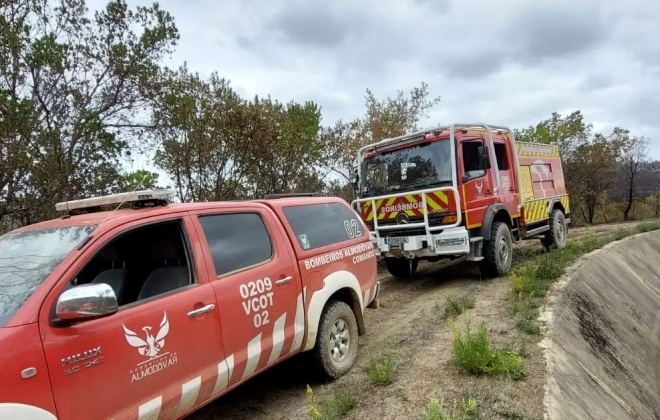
(135,197)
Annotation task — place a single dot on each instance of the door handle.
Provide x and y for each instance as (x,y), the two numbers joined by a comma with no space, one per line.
(285,280)
(202,310)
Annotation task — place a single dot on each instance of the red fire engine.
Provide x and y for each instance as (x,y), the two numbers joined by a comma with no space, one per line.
(462,190)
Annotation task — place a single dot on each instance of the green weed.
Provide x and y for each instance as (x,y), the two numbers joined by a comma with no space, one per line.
(456,305)
(462,410)
(381,369)
(335,406)
(474,354)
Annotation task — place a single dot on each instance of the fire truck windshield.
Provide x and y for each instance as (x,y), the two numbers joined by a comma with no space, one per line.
(414,167)
(27,257)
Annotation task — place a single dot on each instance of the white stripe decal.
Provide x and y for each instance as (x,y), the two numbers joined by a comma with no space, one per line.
(189,393)
(225,369)
(150,410)
(278,339)
(253,355)
(299,323)
(366,297)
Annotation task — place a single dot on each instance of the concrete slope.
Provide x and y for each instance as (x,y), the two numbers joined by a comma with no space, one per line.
(603,342)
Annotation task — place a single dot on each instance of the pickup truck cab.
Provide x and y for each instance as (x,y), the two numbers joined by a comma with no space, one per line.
(153,309)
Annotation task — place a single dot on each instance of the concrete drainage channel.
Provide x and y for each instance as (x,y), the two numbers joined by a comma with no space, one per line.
(603,340)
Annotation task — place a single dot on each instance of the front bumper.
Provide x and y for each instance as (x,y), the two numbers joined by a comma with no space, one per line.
(449,242)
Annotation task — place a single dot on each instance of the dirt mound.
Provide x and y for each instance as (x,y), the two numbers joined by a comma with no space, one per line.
(603,344)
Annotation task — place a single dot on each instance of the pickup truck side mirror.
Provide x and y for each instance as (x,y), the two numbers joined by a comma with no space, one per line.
(85,302)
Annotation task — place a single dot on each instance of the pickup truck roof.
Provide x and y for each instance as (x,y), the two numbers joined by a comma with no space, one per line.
(118,217)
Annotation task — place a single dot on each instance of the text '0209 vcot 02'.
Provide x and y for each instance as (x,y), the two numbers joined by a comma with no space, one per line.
(131,307)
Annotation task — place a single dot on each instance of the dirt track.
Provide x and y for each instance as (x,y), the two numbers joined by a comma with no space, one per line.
(409,327)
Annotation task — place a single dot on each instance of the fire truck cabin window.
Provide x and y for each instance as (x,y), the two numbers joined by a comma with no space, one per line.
(421,166)
(500,155)
(471,163)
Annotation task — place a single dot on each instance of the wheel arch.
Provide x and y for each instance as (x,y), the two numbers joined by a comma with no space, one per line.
(494,213)
(556,204)
(23,411)
(341,286)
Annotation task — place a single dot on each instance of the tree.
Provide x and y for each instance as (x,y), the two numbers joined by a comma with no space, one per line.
(286,149)
(138,180)
(568,132)
(592,169)
(201,130)
(71,88)
(390,117)
(218,146)
(635,152)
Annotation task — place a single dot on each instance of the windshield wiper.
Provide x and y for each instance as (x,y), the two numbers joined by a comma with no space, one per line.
(427,183)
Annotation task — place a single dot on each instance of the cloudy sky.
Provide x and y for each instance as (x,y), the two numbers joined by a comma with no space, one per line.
(510,62)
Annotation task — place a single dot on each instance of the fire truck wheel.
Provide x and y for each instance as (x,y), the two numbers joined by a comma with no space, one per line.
(402,268)
(555,238)
(498,251)
(337,340)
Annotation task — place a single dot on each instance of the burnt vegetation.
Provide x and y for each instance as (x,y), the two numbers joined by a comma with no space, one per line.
(83,92)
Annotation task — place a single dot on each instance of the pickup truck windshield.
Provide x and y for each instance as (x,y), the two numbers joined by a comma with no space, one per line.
(27,258)
(415,167)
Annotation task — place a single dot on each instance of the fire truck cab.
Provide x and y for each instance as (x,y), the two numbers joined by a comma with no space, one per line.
(462,190)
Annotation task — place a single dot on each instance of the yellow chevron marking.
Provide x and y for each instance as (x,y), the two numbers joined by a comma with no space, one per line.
(442,196)
(431,203)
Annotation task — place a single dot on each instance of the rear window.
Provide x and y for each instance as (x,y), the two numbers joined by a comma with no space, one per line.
(28,257)
(318,225)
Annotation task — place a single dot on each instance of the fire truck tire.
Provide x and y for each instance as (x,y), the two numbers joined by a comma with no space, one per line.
(555,238)
(337,340)
(401,268)
(498,251)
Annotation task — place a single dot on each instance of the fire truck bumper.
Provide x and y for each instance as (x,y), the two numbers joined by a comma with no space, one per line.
(450,242)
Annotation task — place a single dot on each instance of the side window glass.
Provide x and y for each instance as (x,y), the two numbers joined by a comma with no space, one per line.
(471,164)
(236,241)
(501,156)
(319,225)
(141,263)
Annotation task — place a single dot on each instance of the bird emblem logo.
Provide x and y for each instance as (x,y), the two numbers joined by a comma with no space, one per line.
(150,345)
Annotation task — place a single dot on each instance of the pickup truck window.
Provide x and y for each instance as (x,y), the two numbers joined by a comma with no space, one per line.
(236,241)
(28,257)
(319,225)
(141,263)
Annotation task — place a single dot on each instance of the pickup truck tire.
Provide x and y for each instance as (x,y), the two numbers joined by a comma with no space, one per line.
(337,340)
(401,268)
(555,238)
(498,251)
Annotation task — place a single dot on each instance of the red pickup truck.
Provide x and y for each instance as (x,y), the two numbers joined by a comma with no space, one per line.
(132,307)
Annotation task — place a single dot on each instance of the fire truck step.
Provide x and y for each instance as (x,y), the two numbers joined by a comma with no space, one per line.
(476,244)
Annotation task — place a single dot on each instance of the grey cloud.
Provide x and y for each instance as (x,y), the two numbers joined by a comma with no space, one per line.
(550,33)
(593,82)
(311,24)
(512,62)
(470,66)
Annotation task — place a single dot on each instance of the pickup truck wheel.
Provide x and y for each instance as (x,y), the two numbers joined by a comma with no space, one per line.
(556,237)
(401,268)
(498,251)
(336,341)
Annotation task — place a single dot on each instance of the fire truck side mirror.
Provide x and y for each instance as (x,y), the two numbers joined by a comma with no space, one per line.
(355,178)
(484,160)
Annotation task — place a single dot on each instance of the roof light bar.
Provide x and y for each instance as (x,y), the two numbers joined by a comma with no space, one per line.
(116,200)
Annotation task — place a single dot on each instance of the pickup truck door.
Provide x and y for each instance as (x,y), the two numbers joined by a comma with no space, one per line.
(257,286)
(160,354)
